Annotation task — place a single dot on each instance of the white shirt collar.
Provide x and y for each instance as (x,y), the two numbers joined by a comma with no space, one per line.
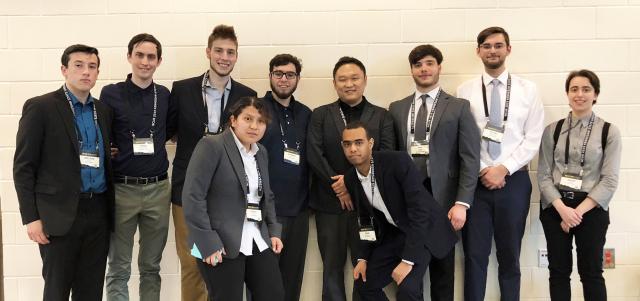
(227,87)
(502,77)
(253,150)
(432,94)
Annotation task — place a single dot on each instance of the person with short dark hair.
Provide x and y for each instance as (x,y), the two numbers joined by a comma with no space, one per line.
(400,226)
(335,220)
(140,108)
(509,114)
(439,133)
(229,208)
(62,175)
(578,170)
(286,141)
(200,106)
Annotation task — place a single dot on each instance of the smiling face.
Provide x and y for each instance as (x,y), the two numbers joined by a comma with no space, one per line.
(426,73)
(581,95)
(144,60)
(249,126)
(284,86)
(222,56)
(81,72)
(494,51)
(349,82)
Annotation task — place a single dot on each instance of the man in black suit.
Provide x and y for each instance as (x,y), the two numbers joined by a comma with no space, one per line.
(401,227)
(328,195)
(62,175)
(201,106)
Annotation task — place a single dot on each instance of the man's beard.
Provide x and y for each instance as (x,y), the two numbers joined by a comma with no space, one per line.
(282,95)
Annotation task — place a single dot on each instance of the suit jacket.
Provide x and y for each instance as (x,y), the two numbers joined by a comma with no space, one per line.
(454,150)
(411,207)
(325,155)
(187,107)
(214,196)
(46,164)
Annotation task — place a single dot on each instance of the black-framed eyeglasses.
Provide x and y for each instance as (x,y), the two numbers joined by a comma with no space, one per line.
(280,74)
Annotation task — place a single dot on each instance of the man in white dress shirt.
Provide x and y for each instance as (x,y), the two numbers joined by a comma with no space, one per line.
(509,114)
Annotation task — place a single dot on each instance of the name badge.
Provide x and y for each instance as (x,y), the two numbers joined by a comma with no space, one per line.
(142,146)
(367,233)
(493,133)
(570,181)
(291,156)
(254,214)
(419,148)
(88,159)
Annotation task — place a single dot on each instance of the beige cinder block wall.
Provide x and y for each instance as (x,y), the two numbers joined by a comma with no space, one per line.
(549,37)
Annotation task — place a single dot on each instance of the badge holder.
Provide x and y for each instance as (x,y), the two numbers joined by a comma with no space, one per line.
(254,214)
(291,156)
(143,146)
(90,159)
(493,133)
(571,181)
(420,148)
(367,232)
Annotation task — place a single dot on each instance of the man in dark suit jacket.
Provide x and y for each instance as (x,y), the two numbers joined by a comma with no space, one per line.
(328,195)
(62,175)
(451,166)
(201,106)
(401,227)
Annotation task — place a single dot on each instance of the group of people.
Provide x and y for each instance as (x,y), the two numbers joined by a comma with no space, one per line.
(392,186)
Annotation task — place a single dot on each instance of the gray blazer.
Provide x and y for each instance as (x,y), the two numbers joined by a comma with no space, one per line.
(454,154)
(213,197)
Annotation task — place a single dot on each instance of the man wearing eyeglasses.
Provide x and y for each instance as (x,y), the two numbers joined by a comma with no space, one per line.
(285,140)
(509,114)
(202,107)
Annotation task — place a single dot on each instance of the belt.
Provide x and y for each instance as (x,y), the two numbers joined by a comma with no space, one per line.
(573,195)
(90,195)
(140,180)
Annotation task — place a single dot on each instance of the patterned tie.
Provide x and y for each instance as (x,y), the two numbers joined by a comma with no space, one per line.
(495,118)
(421,133)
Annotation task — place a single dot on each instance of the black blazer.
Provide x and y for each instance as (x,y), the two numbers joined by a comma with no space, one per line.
(412,208)
(325,155)
(187,107)
(46,164)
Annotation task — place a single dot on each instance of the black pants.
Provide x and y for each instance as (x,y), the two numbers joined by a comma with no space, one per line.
(225,281)
(75,262)
(384,258)
(500,214)
(335,233)
(590,238)
(295,235)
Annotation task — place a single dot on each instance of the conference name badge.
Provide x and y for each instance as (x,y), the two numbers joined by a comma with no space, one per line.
(420,148)
(367,233)
(291,156)
(143,147)
(571,181)
(88,159)
(493,133)
(254,214)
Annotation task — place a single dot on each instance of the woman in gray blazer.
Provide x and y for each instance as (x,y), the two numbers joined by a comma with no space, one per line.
(230,210)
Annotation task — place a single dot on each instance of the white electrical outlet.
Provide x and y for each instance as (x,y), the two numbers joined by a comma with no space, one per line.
(543,258)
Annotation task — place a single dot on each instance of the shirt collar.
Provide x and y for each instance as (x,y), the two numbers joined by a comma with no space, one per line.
(585,119)
(269,95)
(227,87)
(433,93)
(502,77)
(361,177)
(357,107)
(74,99)
(132,87)
(253,150)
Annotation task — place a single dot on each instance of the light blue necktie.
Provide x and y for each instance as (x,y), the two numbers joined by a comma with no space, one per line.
(495,118)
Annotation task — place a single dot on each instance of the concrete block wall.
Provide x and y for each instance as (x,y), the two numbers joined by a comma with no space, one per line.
(549,38)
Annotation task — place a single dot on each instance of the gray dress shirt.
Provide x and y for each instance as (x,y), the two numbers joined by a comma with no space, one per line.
(600,171)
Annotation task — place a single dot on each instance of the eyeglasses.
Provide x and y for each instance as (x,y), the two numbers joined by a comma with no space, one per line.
(497,46)
(280,74)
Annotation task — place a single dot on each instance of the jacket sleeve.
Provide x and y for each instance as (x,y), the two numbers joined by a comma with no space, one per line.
(275,228)
(416,198)
(355,190)
(387,133)
(469,155)
(172,112)
(315,151)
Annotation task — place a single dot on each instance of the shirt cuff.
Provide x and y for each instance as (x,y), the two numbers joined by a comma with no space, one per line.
(463,204)
(408,262)
(360,259)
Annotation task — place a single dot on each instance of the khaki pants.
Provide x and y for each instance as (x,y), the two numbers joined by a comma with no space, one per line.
(192,285)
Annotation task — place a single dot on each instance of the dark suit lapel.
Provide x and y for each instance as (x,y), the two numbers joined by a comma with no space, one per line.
(196,90)
(379,175)
(234,156)
(334,108)
(367,111)
(62,104)
(405,110)
(440,108)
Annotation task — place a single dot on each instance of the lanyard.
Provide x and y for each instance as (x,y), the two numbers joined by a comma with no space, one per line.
(344,119)
(429,119)
(282,133)
(246,178)
(153,118)
(205,79)
(506,103)
(583,150)
(373,187)
(73,111)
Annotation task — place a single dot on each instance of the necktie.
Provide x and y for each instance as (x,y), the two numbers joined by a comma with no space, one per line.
(495,118)
(421,134)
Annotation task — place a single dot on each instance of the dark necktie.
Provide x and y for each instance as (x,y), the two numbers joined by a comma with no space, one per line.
(421,134)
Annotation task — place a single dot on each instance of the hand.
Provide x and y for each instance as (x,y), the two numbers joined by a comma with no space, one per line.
(569,216)
(114,152)
(586,206)
(345,202)
(493,177)
(360,270)
(215,258)
(401,271)
(458,216)
(341,192)
(565,227)
(36,232)
(276,245)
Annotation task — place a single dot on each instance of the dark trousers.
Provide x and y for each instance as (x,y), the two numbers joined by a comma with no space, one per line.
(590,238)
(225,281)
(499,214)
(75,262)
(295,235)
(335,233)
(384,258)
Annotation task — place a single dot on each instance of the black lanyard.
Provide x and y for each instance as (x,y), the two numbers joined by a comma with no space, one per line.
(73,111)
(246,178)
(583,150)
(370,204)
(344,119)
(153,118)
(205,79)
(429,120)
(506,104)
(284,119)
